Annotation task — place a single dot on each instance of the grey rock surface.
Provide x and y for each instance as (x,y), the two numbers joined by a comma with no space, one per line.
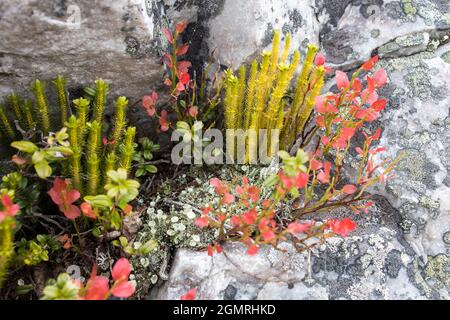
(82,40)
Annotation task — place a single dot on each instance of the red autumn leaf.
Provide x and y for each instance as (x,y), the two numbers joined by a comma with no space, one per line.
(349,189)
(380,78)
(301,180)
(163,121)
(296,227)
(18,160)
(324,175)
(268,235)
(180,87)
(9,208)
(121,270)
(184,77)
(356,85)
(123,290)
(148,102)
(379,105)
(285,180)
(253,193)
(86,209)
(202,222)
(377,134)
(320,104)
(206,210)
(167,82)
(193,112)
(227,198)
(369,64)
(250,216)
(97,288)
(252,250)
(266,203)
(320,121)
(235,221)
(367,114)
(325,140)
(128,209)
(181,26)
(368,96)
(218,186)
(319,60)
(370,84)
(342,227)
(168,35)
(359,151)
(341,80)
(65,241)
(347,133)
(182,50)
(190,295)
(377,150)
(183,66)
(64,196)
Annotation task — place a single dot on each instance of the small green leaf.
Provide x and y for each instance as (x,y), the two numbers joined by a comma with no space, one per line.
(25,146)
(43,170)
(65,151)
(184,126)
(151,168)
(283,154)
(140,172)
(271,180)
(148,154)
(99,201)
(148,247)
(123,241)
(116,220)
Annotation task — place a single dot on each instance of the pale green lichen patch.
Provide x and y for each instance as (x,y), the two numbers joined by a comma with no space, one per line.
(411,40)
(418,167)
(446,57)
(437,271)
(429,203)
(418,82)
(408,7)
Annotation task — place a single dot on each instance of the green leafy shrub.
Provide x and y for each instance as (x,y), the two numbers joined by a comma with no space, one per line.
(33,252)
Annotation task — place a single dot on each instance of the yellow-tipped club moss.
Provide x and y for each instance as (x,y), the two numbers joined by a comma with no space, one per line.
(6,246)
(42,106)
(60,86)
(128,149)
(100,100)
(82,108)
(250,93)
(14,102)
(120,119)
(6,127)
(263,96)
(110,164)
(92,159)
(75,160)
(28,115)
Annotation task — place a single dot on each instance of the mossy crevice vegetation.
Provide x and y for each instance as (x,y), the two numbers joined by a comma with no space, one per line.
(264,99)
